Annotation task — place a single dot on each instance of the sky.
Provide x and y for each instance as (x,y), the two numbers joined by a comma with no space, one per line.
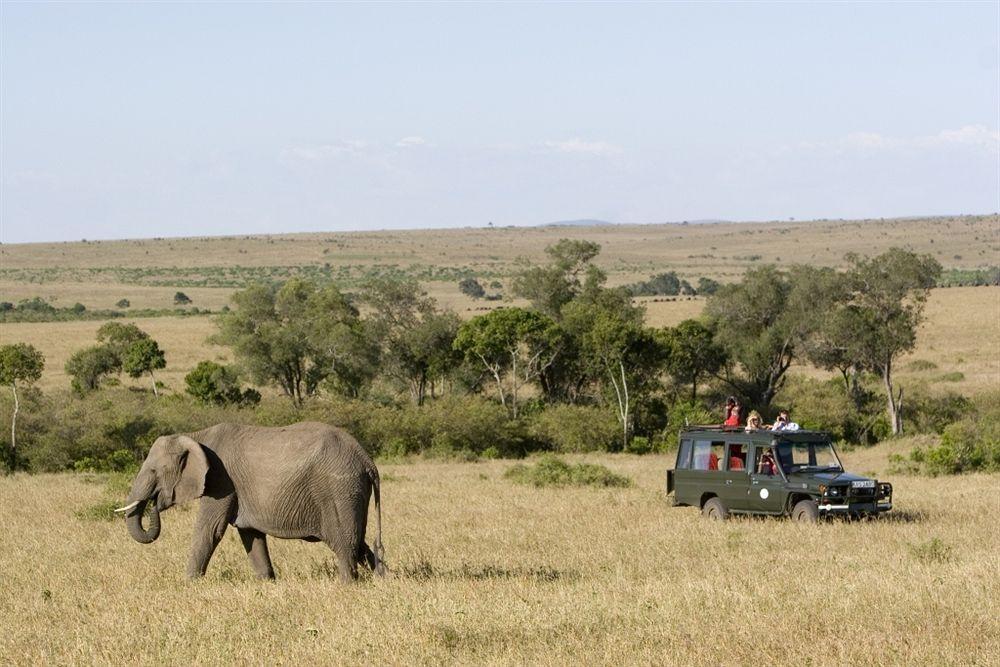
(154,119)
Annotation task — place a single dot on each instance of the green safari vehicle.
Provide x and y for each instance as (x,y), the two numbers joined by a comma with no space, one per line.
(727,471)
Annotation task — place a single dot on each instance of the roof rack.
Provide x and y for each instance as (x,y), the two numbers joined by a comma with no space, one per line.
(716,428)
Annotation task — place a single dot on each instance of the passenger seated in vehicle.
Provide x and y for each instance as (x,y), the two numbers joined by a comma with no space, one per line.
(713,461)
(767,466)
(737,458)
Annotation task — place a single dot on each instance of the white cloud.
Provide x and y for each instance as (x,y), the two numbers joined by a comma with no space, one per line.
(325,151)
(577,145)
(975,137)
(413,142)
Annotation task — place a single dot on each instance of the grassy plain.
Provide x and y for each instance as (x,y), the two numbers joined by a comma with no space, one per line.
(489,572)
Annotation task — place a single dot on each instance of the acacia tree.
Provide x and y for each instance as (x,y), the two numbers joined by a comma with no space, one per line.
(414,337)
(144,356)
(692,353)
(22,363)
(510,343)
(886,302)
(621,354)
(87,367)
(295,335)
(567,275)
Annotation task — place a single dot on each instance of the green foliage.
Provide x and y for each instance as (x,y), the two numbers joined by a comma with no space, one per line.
(469,286)
(970,444)
(515,346)
(969,277)
(569,273)
(87,367)
(920,365)
(662,284)
(576,428)
(680,415)
(707,286)
(20,363)
(181,299)
(297,336)
(123,303)
(210,382)
(143,356)
(692,353)
(414,339)
(553,471)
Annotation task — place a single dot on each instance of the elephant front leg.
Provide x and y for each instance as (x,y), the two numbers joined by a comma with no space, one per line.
(213,518)
(255,542)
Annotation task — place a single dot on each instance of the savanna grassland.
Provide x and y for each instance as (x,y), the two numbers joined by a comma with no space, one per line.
(485,571)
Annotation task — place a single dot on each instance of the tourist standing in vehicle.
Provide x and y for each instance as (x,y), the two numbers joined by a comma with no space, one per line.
(754,421)
(732,412)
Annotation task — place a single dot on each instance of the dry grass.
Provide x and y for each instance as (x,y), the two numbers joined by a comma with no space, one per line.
(183,340)
(489,572)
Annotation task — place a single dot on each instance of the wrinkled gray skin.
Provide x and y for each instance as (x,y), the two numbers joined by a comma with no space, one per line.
(308,481)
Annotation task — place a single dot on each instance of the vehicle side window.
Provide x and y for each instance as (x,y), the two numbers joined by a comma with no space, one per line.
(684,455)
(764,463)
(736,457)
(708,455)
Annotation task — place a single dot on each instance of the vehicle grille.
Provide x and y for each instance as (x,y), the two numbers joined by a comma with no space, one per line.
(863,493)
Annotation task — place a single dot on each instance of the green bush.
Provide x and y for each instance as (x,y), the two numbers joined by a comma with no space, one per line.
(970,444)
(576,428)
(680,415)
(918,365)
(553,471)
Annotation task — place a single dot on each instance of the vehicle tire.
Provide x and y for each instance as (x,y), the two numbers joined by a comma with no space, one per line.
(805,511)
(715,509)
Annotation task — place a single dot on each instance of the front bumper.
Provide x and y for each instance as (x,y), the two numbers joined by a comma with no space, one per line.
(880,500)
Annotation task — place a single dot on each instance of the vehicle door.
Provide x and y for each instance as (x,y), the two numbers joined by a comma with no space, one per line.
(707,473)
(683,490)
(736,481)
(767,485)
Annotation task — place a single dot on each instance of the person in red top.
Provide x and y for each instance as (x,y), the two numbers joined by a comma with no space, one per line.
(732,412)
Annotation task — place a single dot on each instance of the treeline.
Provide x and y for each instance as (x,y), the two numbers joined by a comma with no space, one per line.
(970,277)
(576,369)
(37,309)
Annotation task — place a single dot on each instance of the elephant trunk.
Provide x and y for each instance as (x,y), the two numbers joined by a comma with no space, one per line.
(134,523)
(143,491)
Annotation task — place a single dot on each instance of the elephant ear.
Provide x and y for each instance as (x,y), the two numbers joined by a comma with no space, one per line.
(193,470)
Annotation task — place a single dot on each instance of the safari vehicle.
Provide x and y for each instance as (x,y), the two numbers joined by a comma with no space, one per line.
(794,473)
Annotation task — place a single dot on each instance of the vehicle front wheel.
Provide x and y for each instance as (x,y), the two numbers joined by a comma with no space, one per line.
(715,509)
(805,511)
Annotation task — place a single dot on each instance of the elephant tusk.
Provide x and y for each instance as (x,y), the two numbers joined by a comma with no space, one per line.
(127,507)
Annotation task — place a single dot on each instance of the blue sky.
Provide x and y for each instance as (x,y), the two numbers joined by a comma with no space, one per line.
(138,120)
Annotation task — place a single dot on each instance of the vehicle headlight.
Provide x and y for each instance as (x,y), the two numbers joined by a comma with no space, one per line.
(834,491)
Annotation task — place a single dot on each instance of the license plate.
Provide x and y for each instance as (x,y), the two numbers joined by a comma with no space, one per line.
(863,484)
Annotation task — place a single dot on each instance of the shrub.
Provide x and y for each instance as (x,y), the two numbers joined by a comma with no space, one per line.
(576,428)
(969,444)
(553,471)
(919,365)
(680,415)
(210,382)
(123,303)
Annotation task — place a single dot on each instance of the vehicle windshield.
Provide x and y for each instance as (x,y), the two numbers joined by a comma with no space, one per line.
(811,456)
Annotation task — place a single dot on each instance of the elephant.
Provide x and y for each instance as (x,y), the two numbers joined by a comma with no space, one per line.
(309,481)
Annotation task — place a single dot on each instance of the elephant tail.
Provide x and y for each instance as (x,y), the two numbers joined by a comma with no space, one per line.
(379,550)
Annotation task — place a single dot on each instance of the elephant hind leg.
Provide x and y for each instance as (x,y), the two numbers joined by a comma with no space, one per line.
(367,556)
(255,543)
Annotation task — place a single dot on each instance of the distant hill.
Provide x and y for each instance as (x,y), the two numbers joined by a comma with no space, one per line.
(578,223)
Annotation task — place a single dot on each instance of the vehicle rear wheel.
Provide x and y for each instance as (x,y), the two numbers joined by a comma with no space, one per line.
(805,511)
(715,509)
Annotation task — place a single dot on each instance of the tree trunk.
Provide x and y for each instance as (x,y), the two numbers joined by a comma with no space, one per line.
(513,389)
(13,430)
(895,419)
(155,393)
